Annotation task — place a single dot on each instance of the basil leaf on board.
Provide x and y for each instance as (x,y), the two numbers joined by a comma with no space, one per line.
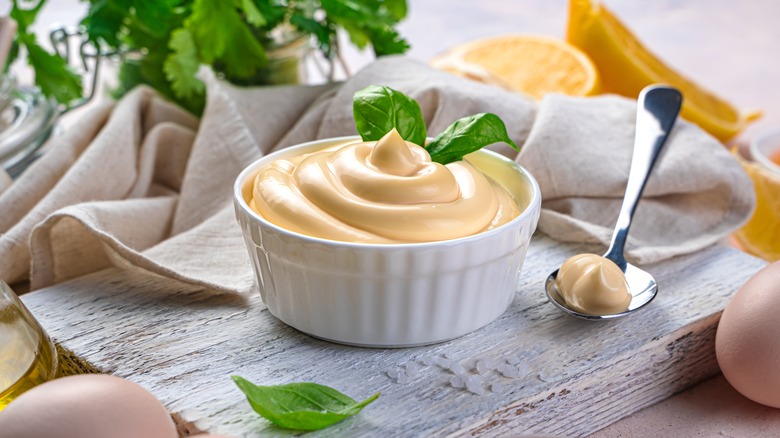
(467,135)
(378,109)
(300,406)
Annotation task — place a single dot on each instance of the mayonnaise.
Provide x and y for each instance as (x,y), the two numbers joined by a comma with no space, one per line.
(387,191)
(593,285)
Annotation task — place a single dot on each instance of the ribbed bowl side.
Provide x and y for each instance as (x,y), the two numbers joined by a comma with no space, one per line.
(387,295)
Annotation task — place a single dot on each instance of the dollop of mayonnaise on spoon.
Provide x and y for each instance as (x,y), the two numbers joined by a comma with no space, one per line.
(593,285)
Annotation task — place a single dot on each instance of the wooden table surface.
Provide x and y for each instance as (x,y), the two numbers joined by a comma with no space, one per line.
(571,377)
(181,344)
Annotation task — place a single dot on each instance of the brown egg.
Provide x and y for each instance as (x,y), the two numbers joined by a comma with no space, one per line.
(87,406)
(747,342)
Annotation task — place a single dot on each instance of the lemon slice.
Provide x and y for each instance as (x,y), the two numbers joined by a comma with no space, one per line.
(626,66)
(532,64)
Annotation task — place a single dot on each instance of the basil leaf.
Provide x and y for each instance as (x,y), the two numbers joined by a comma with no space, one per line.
(467,135)
(300,406)
(377,110)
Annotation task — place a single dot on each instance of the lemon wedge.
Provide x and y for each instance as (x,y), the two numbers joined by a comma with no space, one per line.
(625,66)
(531,64)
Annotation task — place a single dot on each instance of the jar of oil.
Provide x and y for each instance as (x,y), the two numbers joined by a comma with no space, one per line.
(27,355)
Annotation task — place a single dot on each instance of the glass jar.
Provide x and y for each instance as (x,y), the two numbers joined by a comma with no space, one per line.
(287,50)
(26,121)
(27,354)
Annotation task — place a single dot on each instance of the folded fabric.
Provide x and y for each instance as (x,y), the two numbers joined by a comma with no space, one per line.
(143,185)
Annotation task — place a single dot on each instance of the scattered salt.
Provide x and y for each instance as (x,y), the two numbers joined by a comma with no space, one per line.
(393,374)
(514,359)
(402,378)
(481,367)
(457,368)
(474,385)
(498,388)
(443,362)
(485,365)
(522,369)
(457,382)
(550,376)
(412,370)
(509,371)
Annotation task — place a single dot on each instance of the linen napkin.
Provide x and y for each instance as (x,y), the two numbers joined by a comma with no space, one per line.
(144,185)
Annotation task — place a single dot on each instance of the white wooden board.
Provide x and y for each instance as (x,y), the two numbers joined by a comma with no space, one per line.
(576,376)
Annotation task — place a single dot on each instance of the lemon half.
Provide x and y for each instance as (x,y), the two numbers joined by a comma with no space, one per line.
(532,64)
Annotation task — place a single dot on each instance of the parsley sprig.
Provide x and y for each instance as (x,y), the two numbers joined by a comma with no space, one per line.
(52,74)
(168,40)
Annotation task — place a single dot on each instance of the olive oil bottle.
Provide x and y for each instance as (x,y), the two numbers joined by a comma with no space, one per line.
(27,355)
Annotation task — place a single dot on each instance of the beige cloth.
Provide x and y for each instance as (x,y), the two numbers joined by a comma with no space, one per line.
(141,184)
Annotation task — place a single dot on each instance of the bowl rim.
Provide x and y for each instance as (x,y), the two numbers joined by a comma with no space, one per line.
(757,152)
(533,204)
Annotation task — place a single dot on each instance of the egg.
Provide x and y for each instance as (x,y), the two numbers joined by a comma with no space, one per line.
(87,406)
(747,343)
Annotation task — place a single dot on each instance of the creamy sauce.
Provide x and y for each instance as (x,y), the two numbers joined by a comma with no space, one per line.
(387,191)
(593,285)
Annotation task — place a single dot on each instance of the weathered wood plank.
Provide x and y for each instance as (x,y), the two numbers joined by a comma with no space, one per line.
(576,376)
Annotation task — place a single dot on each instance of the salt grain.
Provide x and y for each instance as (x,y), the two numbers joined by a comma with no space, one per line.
(457,382)
(457,368)
(509,371)
(412,370)
(522,369)
(550,376)
(481,367)
(474,385)
(498,388)
(402,378)
(393,374)
(444,363)
(486,364)
(514,359)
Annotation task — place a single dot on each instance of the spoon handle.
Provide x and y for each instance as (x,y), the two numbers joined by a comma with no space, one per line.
(657,110)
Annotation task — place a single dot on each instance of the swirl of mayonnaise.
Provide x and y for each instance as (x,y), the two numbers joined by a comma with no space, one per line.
(387,191)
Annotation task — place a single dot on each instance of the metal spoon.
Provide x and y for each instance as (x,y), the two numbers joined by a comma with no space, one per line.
(657,110)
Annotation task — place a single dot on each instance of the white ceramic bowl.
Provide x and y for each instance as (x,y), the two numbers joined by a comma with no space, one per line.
(765,146)
(389,295)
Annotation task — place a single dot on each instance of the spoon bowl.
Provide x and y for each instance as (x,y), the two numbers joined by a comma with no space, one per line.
(657,110)
(641,284)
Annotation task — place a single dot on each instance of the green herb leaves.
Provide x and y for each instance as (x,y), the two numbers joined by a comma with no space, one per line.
(467,135)
(52,74)
(173,38)
(300,406)
(379,109)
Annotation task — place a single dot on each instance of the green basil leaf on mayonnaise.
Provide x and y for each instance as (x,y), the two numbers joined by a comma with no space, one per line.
(467,135)
(379,109)
(300,406)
